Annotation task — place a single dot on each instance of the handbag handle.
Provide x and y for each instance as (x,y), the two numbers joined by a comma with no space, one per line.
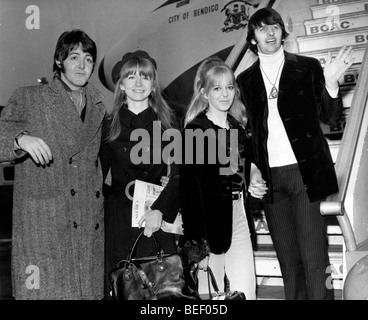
(135,245)
(211,279)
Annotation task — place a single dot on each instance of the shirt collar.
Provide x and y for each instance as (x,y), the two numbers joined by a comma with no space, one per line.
(140,120)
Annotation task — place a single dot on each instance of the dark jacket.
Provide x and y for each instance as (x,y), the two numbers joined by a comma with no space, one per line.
(302,103)
(118,156)
(206,195)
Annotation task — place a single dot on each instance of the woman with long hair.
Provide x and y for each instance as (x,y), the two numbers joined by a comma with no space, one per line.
(212,192)
(139,110)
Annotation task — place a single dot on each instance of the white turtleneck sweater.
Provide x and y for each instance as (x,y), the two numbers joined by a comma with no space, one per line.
(279,148)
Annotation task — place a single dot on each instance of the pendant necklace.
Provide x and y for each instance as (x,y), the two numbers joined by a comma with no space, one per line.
(274,92)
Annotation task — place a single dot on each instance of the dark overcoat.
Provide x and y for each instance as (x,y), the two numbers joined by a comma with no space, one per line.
(58,227)
(303,103)
(123,157)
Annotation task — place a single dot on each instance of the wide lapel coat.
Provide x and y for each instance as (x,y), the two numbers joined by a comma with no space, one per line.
(58,228)
(303,103)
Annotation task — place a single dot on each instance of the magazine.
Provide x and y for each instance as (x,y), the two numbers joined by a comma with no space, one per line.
(144,196)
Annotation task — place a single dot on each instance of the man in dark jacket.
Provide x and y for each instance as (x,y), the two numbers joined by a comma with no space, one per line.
(286,95)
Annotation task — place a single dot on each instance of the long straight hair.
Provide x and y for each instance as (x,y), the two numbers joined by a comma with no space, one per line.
(155,99)
(209,74)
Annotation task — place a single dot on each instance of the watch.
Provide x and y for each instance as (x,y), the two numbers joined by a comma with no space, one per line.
(19,136)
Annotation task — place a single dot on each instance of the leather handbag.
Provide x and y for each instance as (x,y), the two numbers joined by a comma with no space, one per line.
(159,277)
(217,295)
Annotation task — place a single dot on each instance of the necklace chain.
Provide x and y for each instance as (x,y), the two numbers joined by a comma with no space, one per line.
(274,92)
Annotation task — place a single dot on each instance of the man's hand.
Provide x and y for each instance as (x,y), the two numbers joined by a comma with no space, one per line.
(36,148)
(334,69)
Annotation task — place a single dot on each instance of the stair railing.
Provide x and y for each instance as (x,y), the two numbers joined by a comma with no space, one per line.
(334,204)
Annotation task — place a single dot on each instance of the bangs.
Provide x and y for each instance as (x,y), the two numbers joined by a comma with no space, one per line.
(143,66)
(219,75)
(268,18)
(87,48)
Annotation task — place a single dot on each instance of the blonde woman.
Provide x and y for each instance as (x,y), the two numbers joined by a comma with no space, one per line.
(212,192)
(138,106)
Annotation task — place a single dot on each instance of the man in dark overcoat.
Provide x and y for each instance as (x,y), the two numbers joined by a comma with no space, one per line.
(286,96)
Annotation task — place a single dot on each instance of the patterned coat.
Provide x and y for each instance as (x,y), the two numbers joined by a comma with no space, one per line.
(58,228)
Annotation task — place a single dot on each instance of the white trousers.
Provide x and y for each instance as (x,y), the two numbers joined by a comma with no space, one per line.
(237,263)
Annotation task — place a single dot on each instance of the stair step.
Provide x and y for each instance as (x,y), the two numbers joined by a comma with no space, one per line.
(332,24)
(267,250)
(267,264)
(332,40)
(261,227)
(321,55)
(265,239)
(277,293)
(338,8)
(270,293)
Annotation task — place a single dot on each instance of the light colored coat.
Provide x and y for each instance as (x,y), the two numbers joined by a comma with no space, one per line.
(58,227)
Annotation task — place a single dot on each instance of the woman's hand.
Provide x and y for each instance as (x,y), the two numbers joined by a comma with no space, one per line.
(153,220)
(257,186)
(164,180)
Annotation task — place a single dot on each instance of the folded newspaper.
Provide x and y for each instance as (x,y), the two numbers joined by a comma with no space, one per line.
(145,194)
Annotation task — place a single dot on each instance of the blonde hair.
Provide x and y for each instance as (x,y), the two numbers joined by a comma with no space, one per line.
(208,73)
(155,100)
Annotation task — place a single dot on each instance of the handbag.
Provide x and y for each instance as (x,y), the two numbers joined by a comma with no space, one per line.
(217,295)
(159,277)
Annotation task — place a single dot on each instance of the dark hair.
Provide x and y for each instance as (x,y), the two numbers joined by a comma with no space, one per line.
(70,40)
(266,16)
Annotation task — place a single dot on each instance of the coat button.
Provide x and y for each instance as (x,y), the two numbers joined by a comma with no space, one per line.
(146,149)
(72,192)
(97,226)
(124,149)
(145,173)
(75,225)
(98,194)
